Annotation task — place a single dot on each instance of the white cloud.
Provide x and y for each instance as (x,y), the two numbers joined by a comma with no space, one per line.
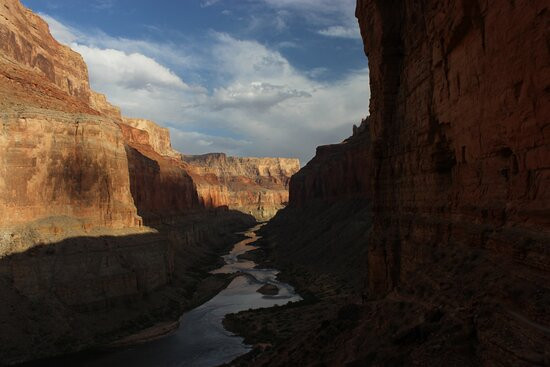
(260,106)
(206,3)
(132,71)
(341,32)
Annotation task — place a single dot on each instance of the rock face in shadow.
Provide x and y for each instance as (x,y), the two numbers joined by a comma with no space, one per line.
(255,186)
(337,172)
(461,150)
(159,180)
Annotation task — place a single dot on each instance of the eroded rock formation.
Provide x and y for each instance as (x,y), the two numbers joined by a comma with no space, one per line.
(337,172)
(256,186)
(60,158)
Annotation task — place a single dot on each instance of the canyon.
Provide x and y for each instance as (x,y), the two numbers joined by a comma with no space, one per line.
(422,239)
(105,229)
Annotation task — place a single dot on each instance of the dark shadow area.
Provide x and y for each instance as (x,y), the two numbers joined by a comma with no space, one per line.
(85,292)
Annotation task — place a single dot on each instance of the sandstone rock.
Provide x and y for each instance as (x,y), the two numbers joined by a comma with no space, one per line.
(159,137)
(160,184)
(25,39)
(256,186)
(58,156)
(269,290)
(337,172)
(459,126)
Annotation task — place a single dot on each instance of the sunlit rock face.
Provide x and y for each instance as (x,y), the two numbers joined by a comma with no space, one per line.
(159,137)
(459,123)
(59,157)
(256,186)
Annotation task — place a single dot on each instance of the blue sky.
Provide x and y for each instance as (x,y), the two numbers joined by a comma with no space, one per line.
(246,77)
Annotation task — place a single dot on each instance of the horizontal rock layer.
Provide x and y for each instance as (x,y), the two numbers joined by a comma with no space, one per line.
(256,186)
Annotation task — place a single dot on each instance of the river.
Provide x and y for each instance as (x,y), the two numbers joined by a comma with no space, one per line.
(201,340)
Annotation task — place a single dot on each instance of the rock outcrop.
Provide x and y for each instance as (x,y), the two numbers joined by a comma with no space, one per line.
(160,181)
(58,156)
(256,186)
(159,137)
(337,172)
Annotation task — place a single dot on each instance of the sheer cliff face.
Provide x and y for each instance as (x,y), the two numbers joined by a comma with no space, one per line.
(461,163)
(256,186)
(159,179)
(337,172)
(26,40)
(58,156)
(159,137)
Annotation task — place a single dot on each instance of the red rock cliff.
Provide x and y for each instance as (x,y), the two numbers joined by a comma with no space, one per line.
(256,186)
(58,156)
(337,172)
(159,179)
(460,129)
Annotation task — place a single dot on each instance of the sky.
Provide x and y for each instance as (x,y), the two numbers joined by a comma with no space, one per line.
(264,78)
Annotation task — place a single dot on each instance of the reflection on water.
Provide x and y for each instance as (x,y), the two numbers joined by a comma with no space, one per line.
(201,339)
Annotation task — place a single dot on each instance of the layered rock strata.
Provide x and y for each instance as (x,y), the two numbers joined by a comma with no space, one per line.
(256,186)
(59,156)
(159,180)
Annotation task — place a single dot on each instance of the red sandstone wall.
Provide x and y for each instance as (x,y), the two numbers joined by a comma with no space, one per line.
(460,127)
(161,185)
(255,186)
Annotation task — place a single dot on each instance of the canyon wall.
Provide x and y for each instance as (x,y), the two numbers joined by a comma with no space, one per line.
(256,186)
(460,129)
(337,172)
(59,157)
(160,182)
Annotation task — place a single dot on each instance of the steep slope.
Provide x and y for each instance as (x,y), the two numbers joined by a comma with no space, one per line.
(160,182)
(256,186)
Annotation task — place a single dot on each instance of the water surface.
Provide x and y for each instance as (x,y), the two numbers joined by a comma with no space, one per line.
(201,340)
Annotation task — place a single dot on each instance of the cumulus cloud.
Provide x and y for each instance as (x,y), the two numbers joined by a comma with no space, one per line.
(340,32)
(260,104)
(132,71)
